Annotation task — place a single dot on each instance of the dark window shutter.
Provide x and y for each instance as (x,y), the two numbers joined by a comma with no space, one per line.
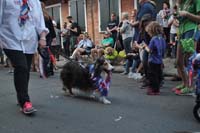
(106,8)
(73,10)
(104,13)
(77,11)
(81,14)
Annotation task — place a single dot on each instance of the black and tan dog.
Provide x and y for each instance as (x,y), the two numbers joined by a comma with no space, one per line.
(89,79)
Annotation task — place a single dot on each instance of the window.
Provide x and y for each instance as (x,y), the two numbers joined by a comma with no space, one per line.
(54,12)
(77,10)
(106,7)
(159,4)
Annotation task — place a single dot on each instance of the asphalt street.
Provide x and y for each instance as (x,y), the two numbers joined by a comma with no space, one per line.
(131,111)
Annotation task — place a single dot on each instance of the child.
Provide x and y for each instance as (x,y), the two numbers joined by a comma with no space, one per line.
(156,50)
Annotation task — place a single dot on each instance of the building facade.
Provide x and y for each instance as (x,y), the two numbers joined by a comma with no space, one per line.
(91,15)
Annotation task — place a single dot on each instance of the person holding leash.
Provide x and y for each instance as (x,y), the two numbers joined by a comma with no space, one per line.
(21,23)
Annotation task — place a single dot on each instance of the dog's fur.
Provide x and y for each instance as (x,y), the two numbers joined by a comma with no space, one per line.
(74,75)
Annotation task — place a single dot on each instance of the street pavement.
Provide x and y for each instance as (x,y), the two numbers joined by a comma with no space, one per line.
(131,111)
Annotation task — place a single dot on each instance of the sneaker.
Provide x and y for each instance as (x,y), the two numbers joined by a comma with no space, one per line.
(28,108)
(138,76)
(104,100)
(178,87)
(150,91)
(185,91)
(134,76)
(71,57)
(11,71)
(130,75)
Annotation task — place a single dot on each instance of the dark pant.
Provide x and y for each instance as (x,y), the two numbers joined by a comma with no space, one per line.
(21,63)
(167,36)
(127,45)
(155,76)
(73,42)
(145,63)
(66,45)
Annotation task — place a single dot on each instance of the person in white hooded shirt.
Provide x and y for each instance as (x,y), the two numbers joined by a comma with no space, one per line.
(21,24)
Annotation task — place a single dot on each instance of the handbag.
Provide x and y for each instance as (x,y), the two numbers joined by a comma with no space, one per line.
(188,45)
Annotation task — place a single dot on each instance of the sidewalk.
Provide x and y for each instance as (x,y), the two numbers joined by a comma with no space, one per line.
(169,69)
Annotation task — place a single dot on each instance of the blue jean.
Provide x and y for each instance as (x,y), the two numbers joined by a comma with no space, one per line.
(188,34)
(133,63)
(197,36)
(127,48)
(127,44)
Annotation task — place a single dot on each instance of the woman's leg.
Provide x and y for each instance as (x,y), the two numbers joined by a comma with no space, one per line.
(180,65)
(21,63)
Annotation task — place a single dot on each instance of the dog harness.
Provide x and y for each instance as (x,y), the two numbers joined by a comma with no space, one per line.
(101,84)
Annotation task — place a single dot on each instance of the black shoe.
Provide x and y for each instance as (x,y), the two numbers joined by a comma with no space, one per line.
(144,85)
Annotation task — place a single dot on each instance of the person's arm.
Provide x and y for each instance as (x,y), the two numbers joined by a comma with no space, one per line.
(147,48)
(40,25)
(107,29)
(176,22)
(106,45)
(74,30)
(193,17)
(123,28)
(80,44)
(114,28)
(74,27)
(135,23)
(170,21)
(150,47)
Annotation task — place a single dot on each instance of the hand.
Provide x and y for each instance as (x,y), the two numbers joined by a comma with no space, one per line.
(118,29)
(183,13)
(144,46)
(68,28)
(42,43)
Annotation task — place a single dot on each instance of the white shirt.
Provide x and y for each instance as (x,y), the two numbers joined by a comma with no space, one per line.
(126,30)
(174,28)
(14,37)
(85,43)
(163,21)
